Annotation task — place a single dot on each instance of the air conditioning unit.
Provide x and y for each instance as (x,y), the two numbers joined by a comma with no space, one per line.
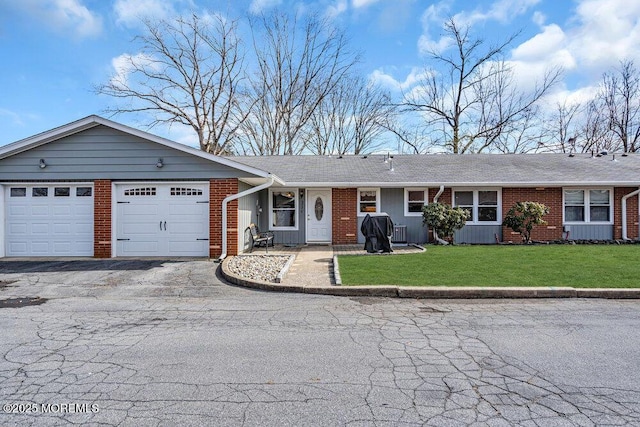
(399,236)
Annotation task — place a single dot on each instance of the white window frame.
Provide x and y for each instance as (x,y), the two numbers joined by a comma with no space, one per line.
(295,191)
(406,200)
(476,206)
(587,206)
(377,190)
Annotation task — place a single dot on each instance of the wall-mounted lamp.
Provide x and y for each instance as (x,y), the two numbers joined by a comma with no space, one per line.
(301,193)
(42,164)
(160,163)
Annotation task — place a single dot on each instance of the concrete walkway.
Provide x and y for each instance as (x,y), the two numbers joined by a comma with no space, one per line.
(312,271)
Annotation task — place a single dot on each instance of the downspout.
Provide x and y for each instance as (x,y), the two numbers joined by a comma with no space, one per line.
(230,198)
(624,213)
(435,200)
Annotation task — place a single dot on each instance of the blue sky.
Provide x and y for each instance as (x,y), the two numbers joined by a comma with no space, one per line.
(55,51)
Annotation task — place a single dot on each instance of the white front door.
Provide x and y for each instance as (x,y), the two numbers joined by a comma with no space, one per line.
(162,219)
(319,216)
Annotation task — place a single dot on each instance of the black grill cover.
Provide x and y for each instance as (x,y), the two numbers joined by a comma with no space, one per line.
(377,230)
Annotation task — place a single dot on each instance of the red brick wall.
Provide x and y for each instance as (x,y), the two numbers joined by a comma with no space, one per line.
(344,216)
(550,197)
(632,213)
(218,190)
(102,218)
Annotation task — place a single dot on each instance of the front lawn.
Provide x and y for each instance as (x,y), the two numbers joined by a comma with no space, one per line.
(580,266)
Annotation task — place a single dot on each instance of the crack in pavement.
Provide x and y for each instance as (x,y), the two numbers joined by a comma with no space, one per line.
(254,358)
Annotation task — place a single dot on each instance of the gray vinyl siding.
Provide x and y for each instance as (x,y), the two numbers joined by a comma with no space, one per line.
(591,232)
(280,237)
(392,203)
(478,234)
(105,153)
(246,216)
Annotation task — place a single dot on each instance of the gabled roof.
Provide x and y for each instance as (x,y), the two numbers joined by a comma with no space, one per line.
(500,170)
(93,120)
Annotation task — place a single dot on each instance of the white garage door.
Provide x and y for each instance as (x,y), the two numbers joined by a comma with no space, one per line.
(162,220)
(49,220)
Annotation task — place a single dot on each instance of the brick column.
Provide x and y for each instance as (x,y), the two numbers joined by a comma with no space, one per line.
(102,218)
(218,190)
(344,216)
(632,213)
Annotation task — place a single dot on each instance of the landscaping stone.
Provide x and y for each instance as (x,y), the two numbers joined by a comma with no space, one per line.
(263,268)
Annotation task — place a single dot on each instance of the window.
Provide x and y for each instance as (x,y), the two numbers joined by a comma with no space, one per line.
(61,192)
(283,209)
(183,191)
(18,192)
(483,205)
(368,201)
(414,200)
(39,192)
(582,205)
(144,191)
(83,192)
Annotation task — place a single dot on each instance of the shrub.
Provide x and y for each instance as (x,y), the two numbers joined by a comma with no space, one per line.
(444,219)
(523,216)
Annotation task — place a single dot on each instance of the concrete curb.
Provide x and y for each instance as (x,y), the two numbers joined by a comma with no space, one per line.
(433,292)
(285,269)
(336,271)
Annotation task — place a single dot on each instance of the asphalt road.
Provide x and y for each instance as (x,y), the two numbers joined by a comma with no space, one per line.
(157,343)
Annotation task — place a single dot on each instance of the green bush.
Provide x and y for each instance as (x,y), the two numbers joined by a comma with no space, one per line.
(444,219)
(523,216)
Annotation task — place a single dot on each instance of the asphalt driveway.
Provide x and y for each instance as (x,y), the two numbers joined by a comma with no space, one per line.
(120,342)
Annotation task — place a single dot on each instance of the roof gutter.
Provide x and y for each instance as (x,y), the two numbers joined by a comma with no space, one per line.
(624,213)
(232,197)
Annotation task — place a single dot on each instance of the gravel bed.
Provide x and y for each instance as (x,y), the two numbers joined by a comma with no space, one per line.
(258,267)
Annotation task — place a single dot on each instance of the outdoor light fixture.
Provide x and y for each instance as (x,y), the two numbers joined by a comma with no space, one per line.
(160,163)
(42,164)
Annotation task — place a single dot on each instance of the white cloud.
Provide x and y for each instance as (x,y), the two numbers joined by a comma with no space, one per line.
(435,13)
(548,48)
(502,11)
(13,116)
(386,80)
(339,7)
(67,16)
(124,64)
(363,3)
(258,6)
(130,12)
(605,32)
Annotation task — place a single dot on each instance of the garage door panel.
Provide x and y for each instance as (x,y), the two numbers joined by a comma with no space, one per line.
(41,229)
(46,225)
(39,210)
(17,229)
(188,248)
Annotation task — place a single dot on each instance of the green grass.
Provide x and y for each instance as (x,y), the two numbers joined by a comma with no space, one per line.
(580,266)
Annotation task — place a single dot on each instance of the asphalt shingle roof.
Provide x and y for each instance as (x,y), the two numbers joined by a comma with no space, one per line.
(447,169)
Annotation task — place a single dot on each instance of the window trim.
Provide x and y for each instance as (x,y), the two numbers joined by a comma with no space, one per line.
(358,190)
(475,191)
(587,206)
(296,209)
(406,199)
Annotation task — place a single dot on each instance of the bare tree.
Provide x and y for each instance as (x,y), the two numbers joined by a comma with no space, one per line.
(594,133)
(524,135)
(350,119)
(561,128)
(298,65)
(189,71)
(474,100)
(620,94)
